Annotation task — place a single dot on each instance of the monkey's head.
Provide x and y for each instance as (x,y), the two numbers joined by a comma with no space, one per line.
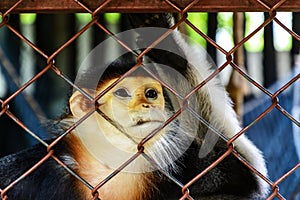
(127,113)
(135,107)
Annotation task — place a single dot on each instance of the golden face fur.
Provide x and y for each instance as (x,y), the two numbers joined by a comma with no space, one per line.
(136,104)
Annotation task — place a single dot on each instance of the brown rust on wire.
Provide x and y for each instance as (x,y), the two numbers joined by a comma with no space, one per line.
(72,172)
(245,39)
(100,7)
(186,195)
(11,8)
(27,84)
(288,115)
(137,65)
(95,195)
(208,39)
(83,6)
(4,108)
(74,125)
(213,75)
(163,36)
(291,32)
(4,20)
(278,5)
(118,170)
(264,4)
(274,194)
(24,127)
(288,84)
(74,86)
(282,110)
(276,183)
(164,84)
(87,26)
(246,163)
(189,6)
(252,81)
(23,38)
(50,6)
(262,115)
(176,114)
(183,10)
(108,32)
(173,5)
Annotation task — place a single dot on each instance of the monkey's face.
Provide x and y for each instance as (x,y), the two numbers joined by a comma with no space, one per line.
(129,112)
(136,104)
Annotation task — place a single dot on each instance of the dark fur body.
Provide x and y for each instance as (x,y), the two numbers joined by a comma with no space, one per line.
(229,180)
(49,181)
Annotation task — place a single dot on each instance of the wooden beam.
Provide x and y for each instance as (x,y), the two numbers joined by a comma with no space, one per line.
(51,6)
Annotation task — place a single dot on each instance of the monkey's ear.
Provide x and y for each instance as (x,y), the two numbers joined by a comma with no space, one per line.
(80,104)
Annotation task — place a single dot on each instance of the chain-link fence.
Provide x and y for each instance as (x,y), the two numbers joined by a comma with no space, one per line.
(95,8)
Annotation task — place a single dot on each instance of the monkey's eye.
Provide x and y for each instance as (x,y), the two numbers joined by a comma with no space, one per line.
(122,92)
(151,93)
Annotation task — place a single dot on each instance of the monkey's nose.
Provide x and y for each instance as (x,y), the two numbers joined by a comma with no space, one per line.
(144,105)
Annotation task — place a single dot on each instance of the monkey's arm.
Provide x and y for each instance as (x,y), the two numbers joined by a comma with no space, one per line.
(48,181)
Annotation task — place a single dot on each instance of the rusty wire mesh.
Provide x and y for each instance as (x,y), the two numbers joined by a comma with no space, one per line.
(274,97)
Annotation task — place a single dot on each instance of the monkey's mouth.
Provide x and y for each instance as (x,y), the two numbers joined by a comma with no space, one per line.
(149,122)
(141,122)
(141,128)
